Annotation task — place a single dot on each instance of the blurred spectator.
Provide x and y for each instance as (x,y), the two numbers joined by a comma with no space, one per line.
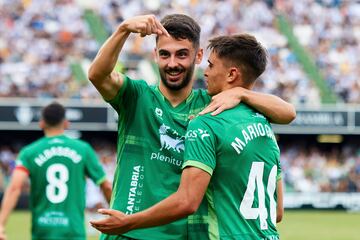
(41,38)
(331,32)
(7,164)
(312,169)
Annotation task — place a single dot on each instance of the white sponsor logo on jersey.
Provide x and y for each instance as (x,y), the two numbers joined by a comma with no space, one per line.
(192,134)
(168,142)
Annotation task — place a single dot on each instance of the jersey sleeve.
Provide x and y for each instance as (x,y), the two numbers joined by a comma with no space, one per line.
(200,146)
(128,93)
(23,162)
(93,167)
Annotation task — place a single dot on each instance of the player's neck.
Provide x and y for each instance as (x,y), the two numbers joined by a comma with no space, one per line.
(53,132)
(175,97)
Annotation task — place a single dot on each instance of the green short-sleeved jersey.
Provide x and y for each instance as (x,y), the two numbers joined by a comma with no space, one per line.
(57,168)
(151,136)
(239,150)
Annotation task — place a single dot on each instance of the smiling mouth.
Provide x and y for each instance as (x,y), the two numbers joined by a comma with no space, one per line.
(174,75)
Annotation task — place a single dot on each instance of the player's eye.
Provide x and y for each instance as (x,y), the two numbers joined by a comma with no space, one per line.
(182,54)
(164,54)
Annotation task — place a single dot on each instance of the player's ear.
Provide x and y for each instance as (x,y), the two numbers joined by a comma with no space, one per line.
(66,124)
(233,74)
(199,56)
(42,124)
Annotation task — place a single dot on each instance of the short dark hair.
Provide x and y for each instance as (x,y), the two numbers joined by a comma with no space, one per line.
(243,51)
(53,114)
(181,26)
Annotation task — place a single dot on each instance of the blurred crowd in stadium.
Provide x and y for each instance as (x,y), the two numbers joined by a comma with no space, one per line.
(305,169)
(40,40)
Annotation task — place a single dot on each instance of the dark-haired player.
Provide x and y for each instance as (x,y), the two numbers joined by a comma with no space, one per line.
(57,167)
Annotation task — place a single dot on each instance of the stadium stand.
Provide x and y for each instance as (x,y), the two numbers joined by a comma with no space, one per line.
(62,42)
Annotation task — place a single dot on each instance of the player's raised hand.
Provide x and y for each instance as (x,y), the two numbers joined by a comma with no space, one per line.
(116,223)
(222,101)
(145,25)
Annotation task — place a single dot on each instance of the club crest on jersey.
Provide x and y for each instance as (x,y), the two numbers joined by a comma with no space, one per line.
(169,142)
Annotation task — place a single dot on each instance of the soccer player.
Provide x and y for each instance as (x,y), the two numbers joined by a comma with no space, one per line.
(57,167)
(233,157)
(153,119)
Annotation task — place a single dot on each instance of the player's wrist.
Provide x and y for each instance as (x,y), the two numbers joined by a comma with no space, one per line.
(244,96)
(123,28)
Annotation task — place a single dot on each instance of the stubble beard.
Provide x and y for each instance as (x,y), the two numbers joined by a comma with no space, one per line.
(178,85)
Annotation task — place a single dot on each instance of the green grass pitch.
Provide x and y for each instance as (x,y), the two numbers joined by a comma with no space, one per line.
(296,225)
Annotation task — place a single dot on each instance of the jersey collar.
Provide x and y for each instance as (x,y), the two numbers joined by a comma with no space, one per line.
(188,99)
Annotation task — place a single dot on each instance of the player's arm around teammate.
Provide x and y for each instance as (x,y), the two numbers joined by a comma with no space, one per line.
(108,82)
(202,157)
(277,110)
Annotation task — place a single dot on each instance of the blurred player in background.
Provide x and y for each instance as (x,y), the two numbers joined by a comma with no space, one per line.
(94,198)
(153,119)
(57,167)
(233,157)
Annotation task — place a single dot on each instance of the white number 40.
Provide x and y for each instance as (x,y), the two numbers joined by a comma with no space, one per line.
(255,181)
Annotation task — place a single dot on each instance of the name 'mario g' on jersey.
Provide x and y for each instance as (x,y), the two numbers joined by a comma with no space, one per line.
(57,168)
(239,150)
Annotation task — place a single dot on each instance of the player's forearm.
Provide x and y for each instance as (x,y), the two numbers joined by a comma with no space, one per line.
(280,201)
(9,202)
(106,189)
(273,107)
(106,59)
(171,209)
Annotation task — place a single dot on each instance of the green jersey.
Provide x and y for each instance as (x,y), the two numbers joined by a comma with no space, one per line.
(57,168)
(151,136)
(238,149)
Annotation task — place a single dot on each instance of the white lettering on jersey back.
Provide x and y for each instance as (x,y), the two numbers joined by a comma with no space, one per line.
(250,133)
(57,152)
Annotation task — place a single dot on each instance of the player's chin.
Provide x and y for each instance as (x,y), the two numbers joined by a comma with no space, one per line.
(175,85)
(211,92)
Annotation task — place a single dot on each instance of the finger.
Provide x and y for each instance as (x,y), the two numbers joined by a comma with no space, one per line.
(211,107)
(99,222)
(96,222)
(100,225)
(161,28)
(152,27)
(105,211)
(205,111)
(217,111)
(101,229)
(106,229)
(150,30)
